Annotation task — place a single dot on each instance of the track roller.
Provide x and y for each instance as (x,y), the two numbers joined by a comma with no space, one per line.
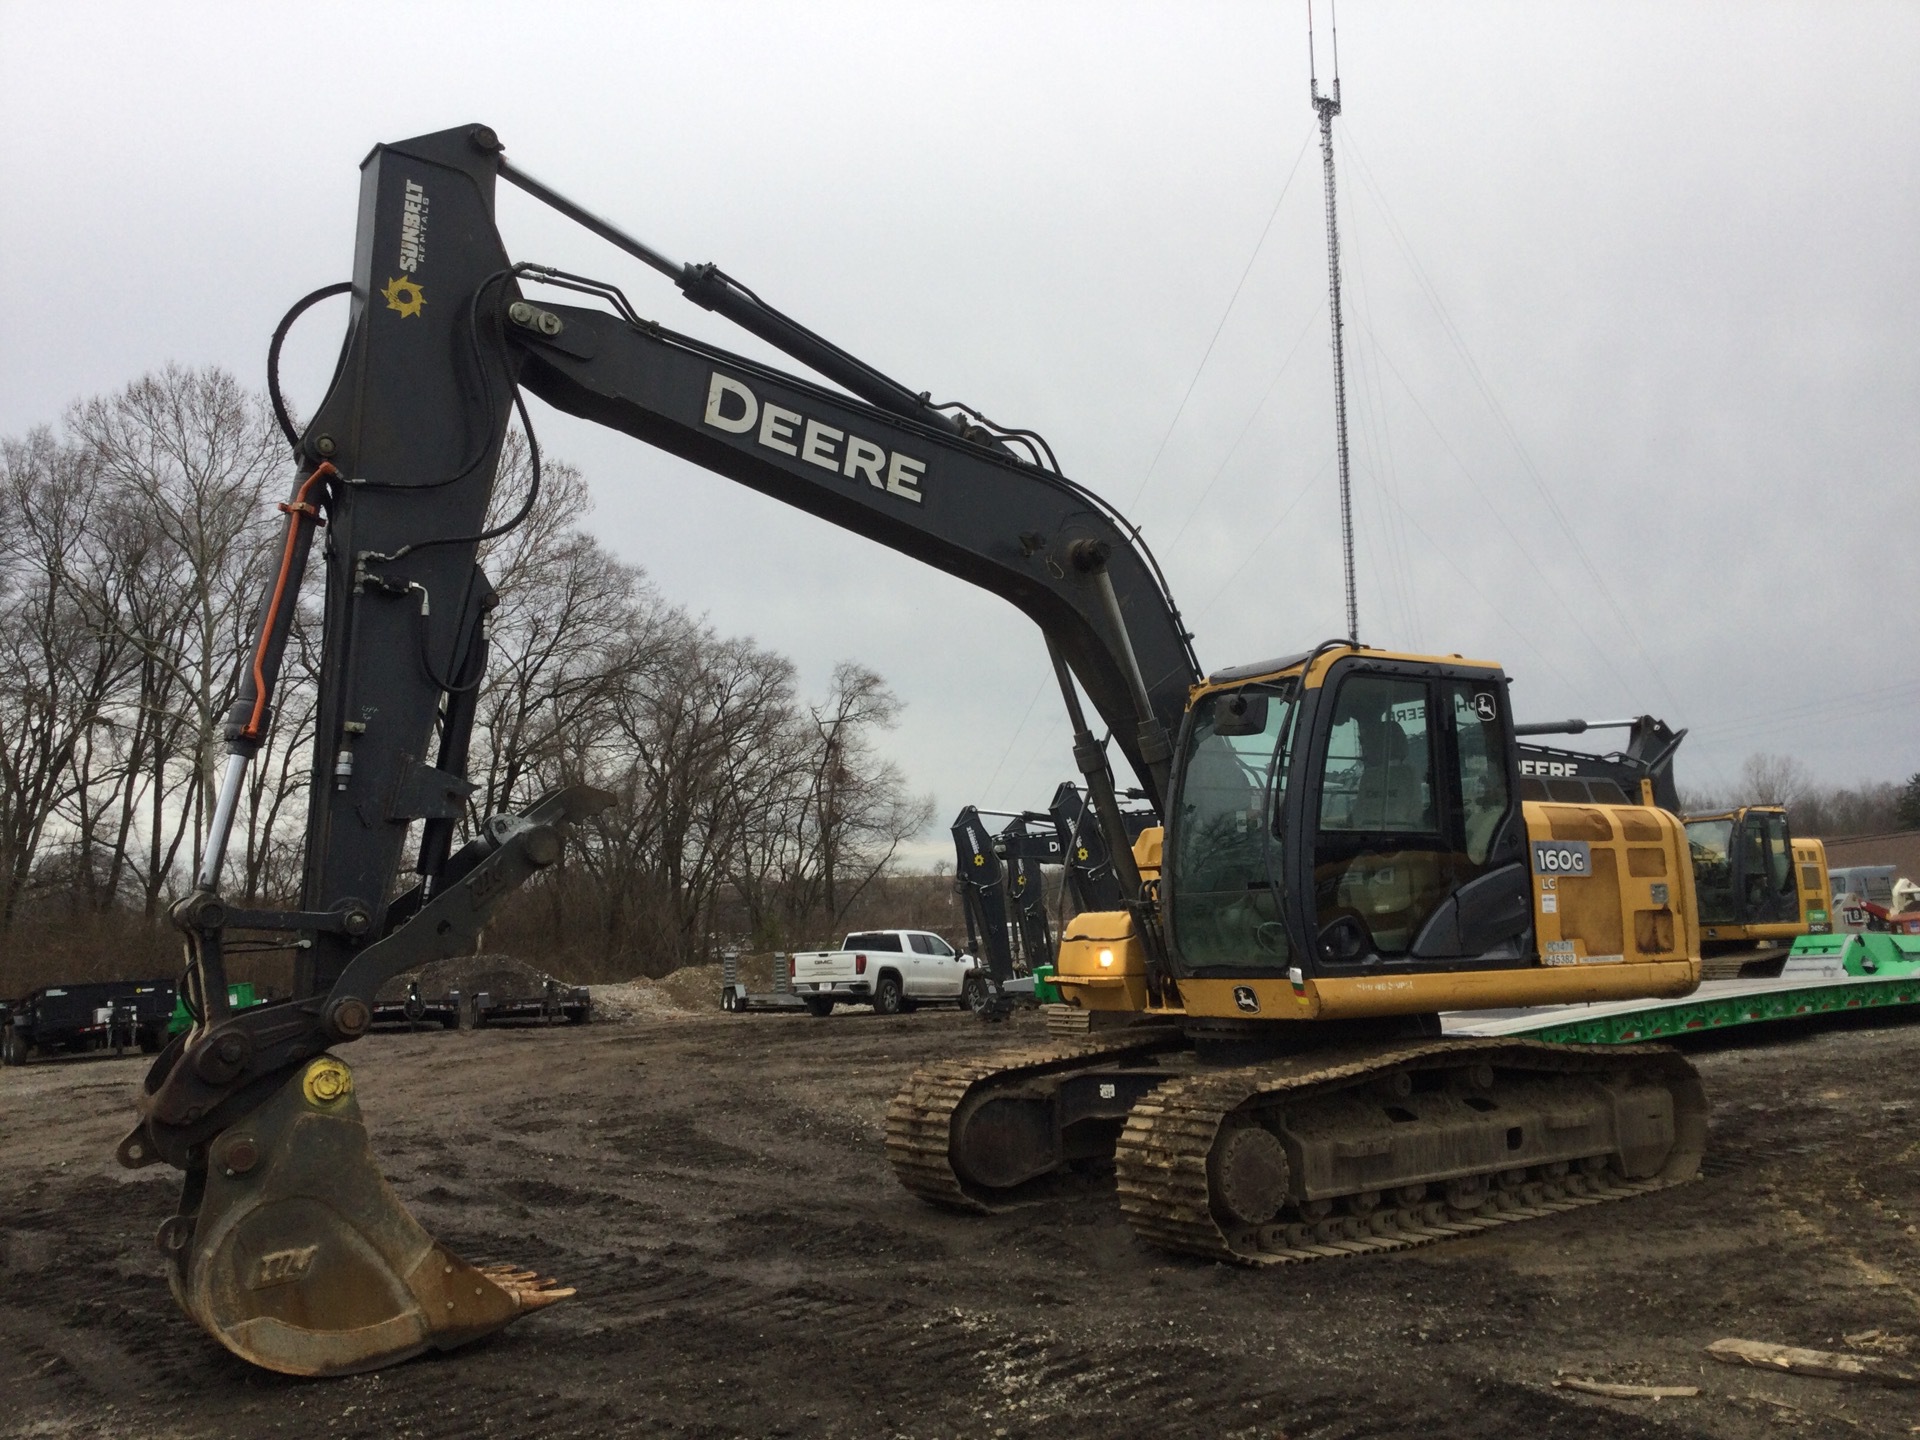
(1316,1158)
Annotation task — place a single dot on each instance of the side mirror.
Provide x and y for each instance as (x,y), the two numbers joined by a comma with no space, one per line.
(1240,714)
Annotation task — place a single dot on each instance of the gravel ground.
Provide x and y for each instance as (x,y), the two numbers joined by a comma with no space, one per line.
(716,1188)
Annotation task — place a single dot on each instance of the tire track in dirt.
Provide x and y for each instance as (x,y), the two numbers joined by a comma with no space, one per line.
(717,1190)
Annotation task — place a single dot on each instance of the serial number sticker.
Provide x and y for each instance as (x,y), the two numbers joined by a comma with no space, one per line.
(1562,857)
(1562,952)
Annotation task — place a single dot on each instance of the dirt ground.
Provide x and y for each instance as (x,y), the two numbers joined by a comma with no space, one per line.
(716,1188)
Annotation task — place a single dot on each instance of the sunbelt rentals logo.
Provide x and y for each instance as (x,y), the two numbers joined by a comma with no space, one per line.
(403,292)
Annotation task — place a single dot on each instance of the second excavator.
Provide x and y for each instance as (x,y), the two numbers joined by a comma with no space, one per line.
(1346,851)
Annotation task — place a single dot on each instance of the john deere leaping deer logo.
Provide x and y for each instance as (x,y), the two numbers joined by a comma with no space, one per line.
(404,294)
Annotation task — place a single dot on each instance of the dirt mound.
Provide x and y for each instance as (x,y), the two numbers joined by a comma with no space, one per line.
(694,988)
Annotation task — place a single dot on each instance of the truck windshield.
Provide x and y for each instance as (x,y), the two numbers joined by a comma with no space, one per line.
(1224,847)
(872,940)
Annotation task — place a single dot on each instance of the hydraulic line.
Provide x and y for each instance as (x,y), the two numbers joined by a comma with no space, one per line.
(247,722)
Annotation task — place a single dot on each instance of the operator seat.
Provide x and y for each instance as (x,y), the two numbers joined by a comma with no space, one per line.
(1389,792)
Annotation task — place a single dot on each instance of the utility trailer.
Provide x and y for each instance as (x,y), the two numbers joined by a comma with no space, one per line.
(556,1003)
(736,998)
(1823,975)
(415,1012)
(116,1015)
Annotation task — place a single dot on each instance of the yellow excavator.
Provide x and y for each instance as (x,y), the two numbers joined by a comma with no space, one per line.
(1758,885)
(1347,856)
(1346,853)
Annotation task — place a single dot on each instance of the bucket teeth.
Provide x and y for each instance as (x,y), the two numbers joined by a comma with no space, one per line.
(303,1260)
(530,1289)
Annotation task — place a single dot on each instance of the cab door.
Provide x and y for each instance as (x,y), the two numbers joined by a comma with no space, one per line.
(1767,894)
(1416,847)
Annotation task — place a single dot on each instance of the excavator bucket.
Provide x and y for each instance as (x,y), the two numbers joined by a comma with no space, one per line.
(301,1259)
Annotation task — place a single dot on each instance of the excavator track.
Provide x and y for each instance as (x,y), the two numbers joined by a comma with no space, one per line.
(920,1119)
(1206,1153)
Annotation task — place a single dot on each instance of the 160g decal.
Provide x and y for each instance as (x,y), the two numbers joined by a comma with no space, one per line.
(1562,857)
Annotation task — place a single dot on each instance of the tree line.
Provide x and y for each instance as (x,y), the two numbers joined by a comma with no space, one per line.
(1873,807)
(134,542)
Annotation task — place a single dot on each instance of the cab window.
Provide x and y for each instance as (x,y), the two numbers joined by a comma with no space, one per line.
(1711,844)
(1482,756)
(1224,847)
(1379,774)
(1381,864)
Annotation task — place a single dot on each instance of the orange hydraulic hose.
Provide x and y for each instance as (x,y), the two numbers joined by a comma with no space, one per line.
(301,506)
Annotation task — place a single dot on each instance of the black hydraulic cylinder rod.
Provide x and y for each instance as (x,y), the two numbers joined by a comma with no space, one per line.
(1090,558)
(713,289)
(1093,764)
(252,711)
(1572,727)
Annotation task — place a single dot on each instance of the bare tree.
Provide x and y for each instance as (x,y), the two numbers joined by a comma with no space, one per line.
(192,458)
(58,668)
(559,642)
(1773,780)
(132,555)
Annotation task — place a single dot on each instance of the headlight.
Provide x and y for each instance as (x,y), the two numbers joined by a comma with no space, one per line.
(1106,959)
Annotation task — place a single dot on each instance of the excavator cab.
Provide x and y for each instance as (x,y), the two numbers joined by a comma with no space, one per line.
(1353,815)
(1747,878)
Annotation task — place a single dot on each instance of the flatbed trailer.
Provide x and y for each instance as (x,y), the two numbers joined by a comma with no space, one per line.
(416,1012)
(116,1015)
(241,995)
(737,999)
(1823,975)
(557,1003)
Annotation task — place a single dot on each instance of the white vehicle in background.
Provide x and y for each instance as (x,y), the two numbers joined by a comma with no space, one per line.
(892,970)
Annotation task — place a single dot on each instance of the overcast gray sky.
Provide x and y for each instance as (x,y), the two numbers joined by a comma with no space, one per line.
(1633,291)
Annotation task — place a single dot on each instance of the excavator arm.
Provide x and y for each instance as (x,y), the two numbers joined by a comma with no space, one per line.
(971,509)
(288,1245)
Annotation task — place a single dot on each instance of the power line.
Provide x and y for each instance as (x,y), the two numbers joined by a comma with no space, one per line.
(1245,429)
(1224,314)
(1511,433)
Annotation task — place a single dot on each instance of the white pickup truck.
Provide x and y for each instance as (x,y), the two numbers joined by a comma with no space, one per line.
(892,970)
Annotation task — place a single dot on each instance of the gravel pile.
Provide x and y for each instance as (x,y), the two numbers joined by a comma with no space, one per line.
(687,991)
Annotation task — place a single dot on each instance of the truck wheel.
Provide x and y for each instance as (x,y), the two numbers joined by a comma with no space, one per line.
(819,1009)
(973,994)
(888,997)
